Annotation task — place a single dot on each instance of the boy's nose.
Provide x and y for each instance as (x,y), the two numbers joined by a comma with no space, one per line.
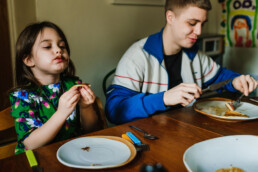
(198,30)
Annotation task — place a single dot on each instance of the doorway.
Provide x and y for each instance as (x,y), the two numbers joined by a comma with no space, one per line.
(6,76)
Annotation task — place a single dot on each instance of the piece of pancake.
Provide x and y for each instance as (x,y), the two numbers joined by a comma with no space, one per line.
(81,85)
(234,114)
(230,106)
(231,169)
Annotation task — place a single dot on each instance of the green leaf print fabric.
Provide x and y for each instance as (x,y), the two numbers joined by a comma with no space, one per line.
(31,109)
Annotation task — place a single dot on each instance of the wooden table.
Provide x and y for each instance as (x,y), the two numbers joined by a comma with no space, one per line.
(177,130)
(189,116)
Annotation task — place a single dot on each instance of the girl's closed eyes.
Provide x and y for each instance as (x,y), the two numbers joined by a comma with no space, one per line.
(47,45)
(52,109)
(62,45)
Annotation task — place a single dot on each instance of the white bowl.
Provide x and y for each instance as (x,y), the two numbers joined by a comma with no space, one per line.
(239,151)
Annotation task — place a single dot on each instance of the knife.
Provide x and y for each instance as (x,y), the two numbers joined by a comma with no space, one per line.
(216,86)
(253,100)
(33,162)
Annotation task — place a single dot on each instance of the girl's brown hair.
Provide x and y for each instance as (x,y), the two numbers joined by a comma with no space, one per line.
(24,76)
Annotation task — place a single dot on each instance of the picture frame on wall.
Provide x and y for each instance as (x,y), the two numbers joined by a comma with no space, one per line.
(139,2)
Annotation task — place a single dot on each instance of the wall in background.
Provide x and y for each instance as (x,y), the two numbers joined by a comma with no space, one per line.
(25,13)
(242,60)
(99,32)
(20,14)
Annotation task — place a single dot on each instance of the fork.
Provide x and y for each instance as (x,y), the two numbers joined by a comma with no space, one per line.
(233,105)
(146,135)
(137,142)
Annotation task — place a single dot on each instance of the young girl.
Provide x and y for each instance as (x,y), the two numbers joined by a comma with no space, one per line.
(44,104)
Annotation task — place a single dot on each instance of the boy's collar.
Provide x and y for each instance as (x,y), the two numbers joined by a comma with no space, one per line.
(154,46)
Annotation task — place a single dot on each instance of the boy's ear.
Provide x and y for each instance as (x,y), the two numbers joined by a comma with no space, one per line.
(170,16)
(28,61)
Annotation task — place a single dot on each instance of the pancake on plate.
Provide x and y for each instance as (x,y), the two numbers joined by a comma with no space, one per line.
(230,106)
(234,114)
(231,169)
(231,111)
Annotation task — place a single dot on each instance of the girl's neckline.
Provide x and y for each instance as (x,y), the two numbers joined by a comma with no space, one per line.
(57,83)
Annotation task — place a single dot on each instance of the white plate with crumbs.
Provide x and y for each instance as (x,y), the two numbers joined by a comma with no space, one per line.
(236,151)
(96,152)
(216,107)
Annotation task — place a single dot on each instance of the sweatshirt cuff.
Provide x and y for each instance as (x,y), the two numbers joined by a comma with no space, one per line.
(230,87)
(155,103)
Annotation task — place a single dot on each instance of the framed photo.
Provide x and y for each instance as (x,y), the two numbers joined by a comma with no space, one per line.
(139,2)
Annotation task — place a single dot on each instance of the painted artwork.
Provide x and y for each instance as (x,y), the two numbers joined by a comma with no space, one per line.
(239,22)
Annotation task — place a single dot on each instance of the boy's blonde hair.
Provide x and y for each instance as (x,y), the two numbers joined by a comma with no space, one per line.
(177,4)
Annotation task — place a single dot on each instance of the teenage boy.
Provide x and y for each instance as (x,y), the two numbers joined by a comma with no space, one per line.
(166,70)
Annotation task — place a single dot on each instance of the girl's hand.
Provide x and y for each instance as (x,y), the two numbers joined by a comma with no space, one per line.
(245,84)
(68,101)
(87,96)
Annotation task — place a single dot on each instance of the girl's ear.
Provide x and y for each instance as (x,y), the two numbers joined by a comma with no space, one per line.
(28,61)
(170,16)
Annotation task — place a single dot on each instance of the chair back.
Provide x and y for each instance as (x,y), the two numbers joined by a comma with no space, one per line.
(107,80)
(8,135)
(6,120)
(7,150)
(101,113)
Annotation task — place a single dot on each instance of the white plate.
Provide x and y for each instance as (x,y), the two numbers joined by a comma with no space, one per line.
(104,152)
(215,107)
(239,151)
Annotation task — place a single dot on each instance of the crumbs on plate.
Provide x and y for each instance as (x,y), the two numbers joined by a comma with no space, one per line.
(86,148)
(95,164)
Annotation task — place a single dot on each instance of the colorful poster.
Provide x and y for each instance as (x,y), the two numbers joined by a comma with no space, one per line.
(239,22)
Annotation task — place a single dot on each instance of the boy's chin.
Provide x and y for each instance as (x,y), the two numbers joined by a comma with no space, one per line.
(188,45)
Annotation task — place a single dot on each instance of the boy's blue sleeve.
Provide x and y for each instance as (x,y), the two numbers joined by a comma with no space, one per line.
(124,105)
(222,75)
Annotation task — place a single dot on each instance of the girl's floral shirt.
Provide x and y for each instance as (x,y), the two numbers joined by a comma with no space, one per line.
(31,109)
